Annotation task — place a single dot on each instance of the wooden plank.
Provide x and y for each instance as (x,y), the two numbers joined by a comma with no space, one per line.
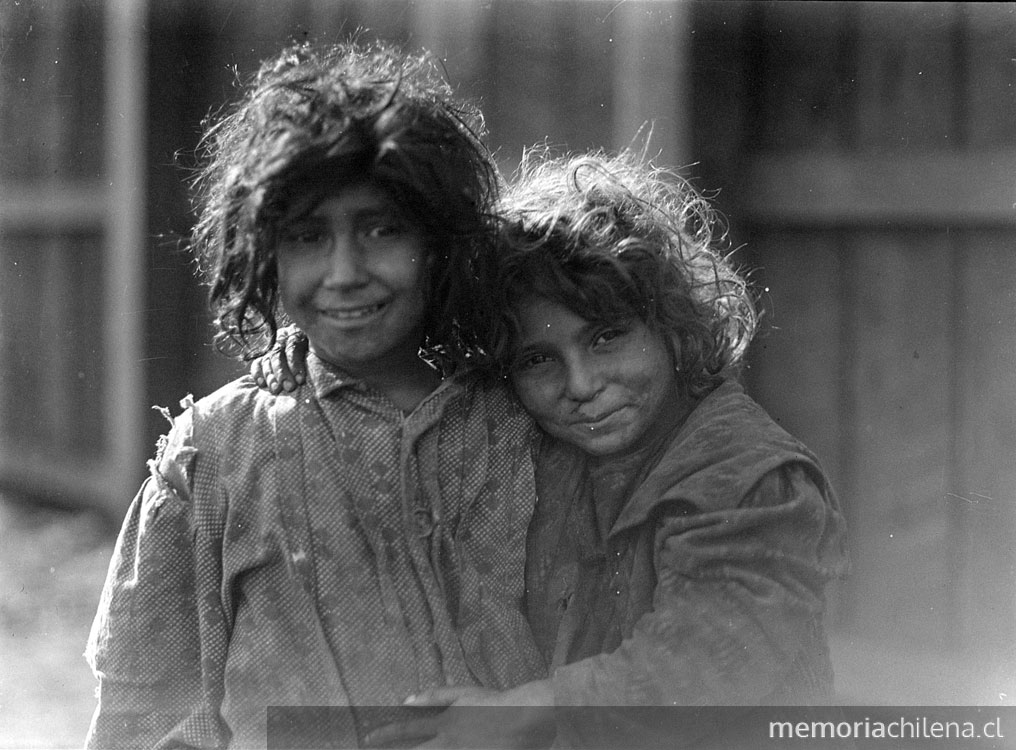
(989,98)
(55,206)
(906,76)
(982,493)
(925,188)
(84,379)
(22,285)
(521,98)
(802,102)
(83,92)
(794,361)
(123,320)
(900,393)
(651,79)
(456,32)
(30,88)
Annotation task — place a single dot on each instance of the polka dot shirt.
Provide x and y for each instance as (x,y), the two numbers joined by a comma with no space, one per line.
(320,548)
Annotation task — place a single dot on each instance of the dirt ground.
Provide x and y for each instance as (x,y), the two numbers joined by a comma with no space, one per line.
(52,565)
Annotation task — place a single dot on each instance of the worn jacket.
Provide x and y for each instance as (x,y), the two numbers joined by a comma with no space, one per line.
(707,587)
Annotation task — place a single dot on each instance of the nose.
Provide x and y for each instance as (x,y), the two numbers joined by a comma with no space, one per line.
(582,380)
(345,262)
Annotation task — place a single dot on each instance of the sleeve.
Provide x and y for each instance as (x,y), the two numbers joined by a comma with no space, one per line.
(159,637)
(737,606)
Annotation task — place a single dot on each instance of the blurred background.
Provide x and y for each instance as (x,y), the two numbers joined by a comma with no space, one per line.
(863,154)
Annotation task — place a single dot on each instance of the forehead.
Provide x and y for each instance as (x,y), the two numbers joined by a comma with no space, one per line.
(544,321)
(356,197)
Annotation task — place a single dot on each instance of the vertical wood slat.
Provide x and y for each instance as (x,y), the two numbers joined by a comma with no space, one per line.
(901,392)
(50,135)
(586,53)
(31,83)
(455,32)
(905,77)
(796,363)
(23,276)
(125,117)
(982,493)
(803,101)
(650,78)
(990,81)
(516,102)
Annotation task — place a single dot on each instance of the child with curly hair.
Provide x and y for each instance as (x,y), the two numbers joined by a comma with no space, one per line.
(360,538)
(682,540)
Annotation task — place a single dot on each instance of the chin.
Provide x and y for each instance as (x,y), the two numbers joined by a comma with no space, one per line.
(599,446)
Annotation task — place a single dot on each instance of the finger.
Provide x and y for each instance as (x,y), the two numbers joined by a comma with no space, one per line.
(296,355)
(269,366)
(402,731)
(257,373)
(276,368)
(286,380)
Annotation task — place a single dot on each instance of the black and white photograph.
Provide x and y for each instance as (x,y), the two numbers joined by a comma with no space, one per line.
(507,374)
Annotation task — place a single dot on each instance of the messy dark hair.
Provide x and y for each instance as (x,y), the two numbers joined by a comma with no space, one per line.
(316,119)
(614,238)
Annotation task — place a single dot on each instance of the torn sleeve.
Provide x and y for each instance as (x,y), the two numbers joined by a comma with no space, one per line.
(158,638)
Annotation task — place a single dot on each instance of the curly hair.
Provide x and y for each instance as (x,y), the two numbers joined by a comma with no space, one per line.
(315,119)
(615,238)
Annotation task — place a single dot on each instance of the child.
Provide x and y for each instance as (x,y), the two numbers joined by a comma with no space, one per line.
(682,542)
(361,538)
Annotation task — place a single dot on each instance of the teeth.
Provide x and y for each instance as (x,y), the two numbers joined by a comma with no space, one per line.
(353,313)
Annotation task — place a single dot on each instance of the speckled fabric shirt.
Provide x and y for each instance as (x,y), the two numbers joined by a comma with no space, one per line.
(315,548)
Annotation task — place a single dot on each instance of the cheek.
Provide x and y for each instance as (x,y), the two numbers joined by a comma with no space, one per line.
(536,397)
(410,282)
(296,280)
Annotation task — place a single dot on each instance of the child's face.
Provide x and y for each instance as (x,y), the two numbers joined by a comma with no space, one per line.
(351,275)
(598,387)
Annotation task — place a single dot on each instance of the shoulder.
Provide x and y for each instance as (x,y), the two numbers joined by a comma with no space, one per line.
(238,405)
(491,397)
(237,414)
(730,425)
(236,397)
(724,450)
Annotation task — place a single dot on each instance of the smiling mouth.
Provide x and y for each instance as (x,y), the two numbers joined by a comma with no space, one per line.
(351,314)
(596,422)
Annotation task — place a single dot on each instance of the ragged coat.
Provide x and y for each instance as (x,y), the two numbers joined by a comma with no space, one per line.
(704,585)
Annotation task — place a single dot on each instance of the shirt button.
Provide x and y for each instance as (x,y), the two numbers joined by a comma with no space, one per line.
(424,522)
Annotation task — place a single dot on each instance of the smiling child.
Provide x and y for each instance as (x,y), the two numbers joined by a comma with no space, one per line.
(361,538)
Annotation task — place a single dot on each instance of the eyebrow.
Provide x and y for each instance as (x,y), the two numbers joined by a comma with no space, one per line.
(583,331)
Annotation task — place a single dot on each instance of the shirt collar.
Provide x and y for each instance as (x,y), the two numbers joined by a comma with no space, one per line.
(326,378)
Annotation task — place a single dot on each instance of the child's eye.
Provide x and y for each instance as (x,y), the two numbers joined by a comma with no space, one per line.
(529,361)
(607,335)
(303,236)
(385,228)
